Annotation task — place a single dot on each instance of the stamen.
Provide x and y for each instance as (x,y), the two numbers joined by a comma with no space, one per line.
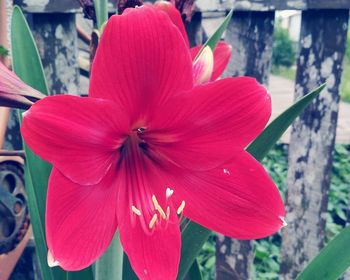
(181,207)
(135,210)
(155,201)
(153,221)
(161,212)
(158,207)
(167,213)
(169,192)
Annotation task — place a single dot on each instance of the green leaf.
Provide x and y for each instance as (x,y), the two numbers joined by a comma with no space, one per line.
(101,11)
(128,273)
(267,139)
(194,273)
(215,38)
(27,65)
(194,235)
(25,56)
(84,274)
(110,265)
(332,261)
(193,238)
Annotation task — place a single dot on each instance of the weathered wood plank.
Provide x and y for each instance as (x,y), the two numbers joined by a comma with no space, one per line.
(323,40)
(54,6)
(251,37)
(56,38)
(270,5)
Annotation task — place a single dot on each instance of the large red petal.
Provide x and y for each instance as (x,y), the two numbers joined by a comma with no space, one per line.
(237,199)
(153,248)
(79,136)
(142,60)
(209,125)
(174,15)
(222,55)
(153,256)
(80,220)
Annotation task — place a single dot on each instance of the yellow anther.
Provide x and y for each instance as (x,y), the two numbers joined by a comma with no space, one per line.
(135,210)
(155,201)
(161,212)
(158,207)
(152,221)
(167,213)
(181,207)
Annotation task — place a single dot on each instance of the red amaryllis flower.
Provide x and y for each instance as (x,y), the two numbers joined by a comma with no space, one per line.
(146,147)
(222,52)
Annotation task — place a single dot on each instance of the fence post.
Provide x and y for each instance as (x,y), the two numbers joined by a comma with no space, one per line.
(56,38)
(251,37)
(323,41)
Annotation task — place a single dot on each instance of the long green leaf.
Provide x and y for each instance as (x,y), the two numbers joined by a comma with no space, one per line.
(101,11)
(110,265)
(128,273)
(215,38)
(194,273)
(332,261)
(27,65)
(194,235)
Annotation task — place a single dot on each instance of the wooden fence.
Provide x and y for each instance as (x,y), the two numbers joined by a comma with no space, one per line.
(322,43)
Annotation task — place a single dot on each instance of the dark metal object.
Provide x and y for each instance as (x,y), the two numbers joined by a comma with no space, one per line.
(323,41)
(14,217)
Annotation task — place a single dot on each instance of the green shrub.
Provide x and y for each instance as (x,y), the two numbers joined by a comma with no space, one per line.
(283,53)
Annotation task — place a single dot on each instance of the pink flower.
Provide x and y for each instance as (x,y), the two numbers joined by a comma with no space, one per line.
(146,147)
(14,93)
(222,52)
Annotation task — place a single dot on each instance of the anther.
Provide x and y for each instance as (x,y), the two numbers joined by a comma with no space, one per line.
(155,201)
(152,221)
(135,210)
(158,207)
(181,207)
(169,192)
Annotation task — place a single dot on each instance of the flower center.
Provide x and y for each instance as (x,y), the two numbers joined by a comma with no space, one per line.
(160,217)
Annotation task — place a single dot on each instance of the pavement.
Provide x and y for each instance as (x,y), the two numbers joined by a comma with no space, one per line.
(282,92)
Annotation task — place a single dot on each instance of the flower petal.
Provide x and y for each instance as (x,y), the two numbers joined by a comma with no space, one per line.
(142,60)
(222,55)
(237,199)
(174,15)
(203,66)
(80,220)
(148,224)
(155,256)
(79,136)
(207,126)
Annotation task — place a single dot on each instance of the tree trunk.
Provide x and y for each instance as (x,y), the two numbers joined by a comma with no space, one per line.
(250,34)
(323,40)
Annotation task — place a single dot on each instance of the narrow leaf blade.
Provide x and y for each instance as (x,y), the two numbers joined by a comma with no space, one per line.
(194,235)
(101,11)
(110,265)
(215,38)
(332,261)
